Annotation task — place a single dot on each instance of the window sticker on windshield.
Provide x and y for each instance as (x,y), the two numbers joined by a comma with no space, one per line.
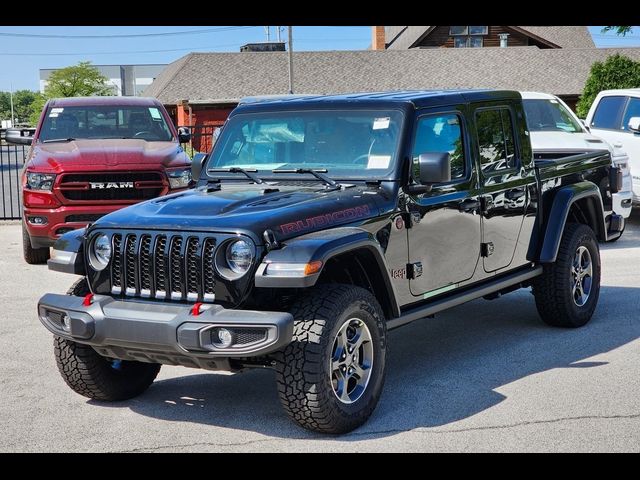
(57,110)
(381,123)
(378,161)
(155,113)
(53,115)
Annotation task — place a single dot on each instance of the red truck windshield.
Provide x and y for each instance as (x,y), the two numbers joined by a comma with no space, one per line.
(105,121)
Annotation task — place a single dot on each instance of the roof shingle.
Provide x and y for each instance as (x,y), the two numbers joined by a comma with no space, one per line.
(227,77)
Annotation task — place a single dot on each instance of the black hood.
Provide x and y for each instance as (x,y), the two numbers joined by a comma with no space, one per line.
(288,211)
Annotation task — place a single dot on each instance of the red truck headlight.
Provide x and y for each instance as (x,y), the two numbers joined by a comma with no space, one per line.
(40,181)
(179,178)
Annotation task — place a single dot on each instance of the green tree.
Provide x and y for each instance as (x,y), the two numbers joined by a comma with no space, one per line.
(81,80)
(5,106)
(619,30)
(617,71)
(22,104)
(36,108)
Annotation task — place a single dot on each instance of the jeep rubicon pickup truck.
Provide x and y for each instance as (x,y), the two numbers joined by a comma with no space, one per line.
(316,225)
(91,156)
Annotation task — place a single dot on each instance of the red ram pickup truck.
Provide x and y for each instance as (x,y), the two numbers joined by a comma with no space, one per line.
(91,156)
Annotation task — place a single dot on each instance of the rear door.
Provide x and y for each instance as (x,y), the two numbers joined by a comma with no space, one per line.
(504,187)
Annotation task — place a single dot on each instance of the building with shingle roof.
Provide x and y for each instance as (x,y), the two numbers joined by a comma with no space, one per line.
(202,88)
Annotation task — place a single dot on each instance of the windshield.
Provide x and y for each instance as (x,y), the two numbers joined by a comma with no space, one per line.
(105,121)
(550,116)
(349,144)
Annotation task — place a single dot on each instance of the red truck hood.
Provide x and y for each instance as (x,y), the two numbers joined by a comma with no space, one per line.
(110,153)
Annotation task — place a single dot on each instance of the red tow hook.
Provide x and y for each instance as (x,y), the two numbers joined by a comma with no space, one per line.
(88,300)
(195,311)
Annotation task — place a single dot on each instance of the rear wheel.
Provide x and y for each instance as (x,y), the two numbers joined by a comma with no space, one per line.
(33,256)
(567,292)
(95,376)
(330,376)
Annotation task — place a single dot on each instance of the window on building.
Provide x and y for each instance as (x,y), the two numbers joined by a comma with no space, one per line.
(608,112)
(468,36)
(495,140)
(441,133)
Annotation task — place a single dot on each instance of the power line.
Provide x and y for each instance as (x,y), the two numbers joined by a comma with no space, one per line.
(121,52)
(127,35)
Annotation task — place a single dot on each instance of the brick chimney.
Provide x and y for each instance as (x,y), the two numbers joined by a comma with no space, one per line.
(378,39)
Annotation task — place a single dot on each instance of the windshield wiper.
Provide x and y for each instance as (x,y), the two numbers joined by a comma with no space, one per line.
(247,172)
(318,173)
(54,140)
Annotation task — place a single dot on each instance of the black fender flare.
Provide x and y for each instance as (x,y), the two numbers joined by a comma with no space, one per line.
(322,246)
(563,200)
(67,254)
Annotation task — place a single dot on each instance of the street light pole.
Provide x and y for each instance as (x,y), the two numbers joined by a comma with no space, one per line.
(290,60)
(13,119)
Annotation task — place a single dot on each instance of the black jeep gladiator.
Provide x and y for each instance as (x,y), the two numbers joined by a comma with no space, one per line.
(317,224)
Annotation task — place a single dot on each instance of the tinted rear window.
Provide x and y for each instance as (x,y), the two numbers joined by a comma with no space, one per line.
(608,113)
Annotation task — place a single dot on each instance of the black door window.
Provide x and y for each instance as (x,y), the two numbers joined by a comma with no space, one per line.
(495,140)
(441,133)
(633,110)
(608,113)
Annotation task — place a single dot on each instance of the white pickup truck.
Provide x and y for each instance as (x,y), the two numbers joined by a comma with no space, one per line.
(556,131)
(615,116)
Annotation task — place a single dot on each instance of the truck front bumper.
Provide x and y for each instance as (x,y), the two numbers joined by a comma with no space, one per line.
(165,333)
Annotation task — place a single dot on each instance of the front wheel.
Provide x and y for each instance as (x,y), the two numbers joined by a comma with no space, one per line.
(567,292)
(96,377)
(330,376)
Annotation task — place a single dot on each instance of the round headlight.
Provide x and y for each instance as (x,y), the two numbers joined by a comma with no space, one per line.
(100,252)
(239,256)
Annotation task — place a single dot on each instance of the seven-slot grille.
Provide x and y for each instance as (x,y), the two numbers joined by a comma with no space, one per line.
(163,266)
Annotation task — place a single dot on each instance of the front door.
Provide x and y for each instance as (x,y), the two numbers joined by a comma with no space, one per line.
(444,238)
(504,189)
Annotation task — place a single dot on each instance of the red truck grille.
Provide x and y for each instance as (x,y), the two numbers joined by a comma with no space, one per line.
(134,186)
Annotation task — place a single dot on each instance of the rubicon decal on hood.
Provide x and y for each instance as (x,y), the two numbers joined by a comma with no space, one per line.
(324,220)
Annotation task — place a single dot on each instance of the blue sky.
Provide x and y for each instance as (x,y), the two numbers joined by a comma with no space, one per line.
(22,57)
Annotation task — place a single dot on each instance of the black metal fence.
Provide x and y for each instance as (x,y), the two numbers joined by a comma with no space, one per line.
(202,137)
(11,163)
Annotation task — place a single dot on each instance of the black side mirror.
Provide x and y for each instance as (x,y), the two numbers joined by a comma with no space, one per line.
(20,136)
(196,165)
(430,168)
(184,135)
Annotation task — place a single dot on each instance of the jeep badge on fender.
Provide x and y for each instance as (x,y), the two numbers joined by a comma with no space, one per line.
(318,224)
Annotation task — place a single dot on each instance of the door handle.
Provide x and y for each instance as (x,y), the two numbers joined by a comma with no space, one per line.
(469,205)
(514,194)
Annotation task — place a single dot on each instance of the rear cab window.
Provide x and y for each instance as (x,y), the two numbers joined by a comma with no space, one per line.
(608,113)
(495,140)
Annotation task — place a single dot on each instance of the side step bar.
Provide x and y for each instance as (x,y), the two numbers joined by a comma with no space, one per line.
(472,293)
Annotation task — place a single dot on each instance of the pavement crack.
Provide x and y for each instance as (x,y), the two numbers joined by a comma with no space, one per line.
(374,433)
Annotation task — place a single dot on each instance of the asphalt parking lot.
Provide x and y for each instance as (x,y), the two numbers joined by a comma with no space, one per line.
(486,376)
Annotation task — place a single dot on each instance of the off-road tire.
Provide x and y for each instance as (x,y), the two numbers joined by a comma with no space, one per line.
(33,256)
(95,376)
(553,289)
(303,367)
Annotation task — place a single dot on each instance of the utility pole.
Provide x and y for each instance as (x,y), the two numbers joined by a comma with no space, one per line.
(290,60)
(13,119)
(267,30)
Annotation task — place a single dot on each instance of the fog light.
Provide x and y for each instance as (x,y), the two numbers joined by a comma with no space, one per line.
(66,323)
(222,338)
(37,220)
